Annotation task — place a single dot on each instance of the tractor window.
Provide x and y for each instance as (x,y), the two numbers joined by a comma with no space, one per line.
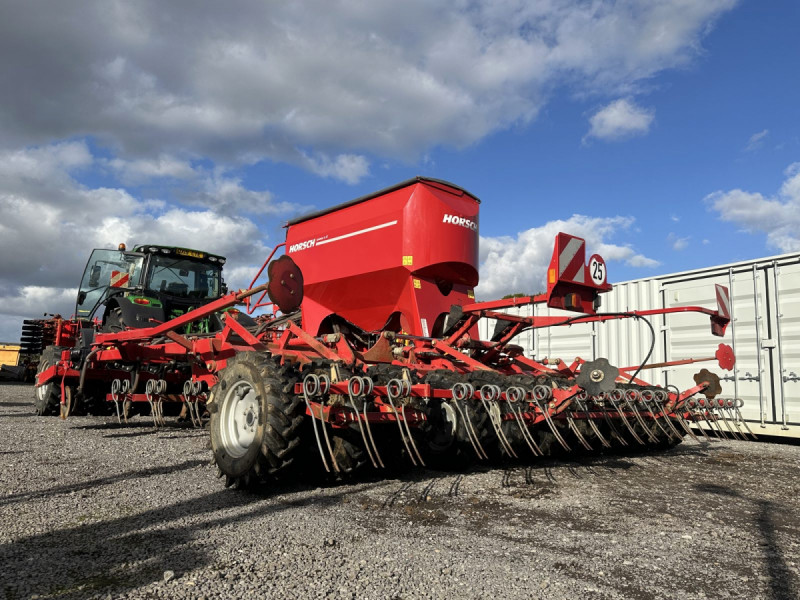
(183,278)
(106,270)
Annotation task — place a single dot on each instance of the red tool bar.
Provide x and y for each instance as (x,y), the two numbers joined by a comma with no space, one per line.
(505,303)
(189,317)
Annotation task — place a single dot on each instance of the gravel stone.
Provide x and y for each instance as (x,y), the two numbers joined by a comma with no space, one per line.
(92,509)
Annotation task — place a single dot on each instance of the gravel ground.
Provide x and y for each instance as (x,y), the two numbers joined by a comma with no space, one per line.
(90,509)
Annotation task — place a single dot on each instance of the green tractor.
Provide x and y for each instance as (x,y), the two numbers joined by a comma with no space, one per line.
(150,285)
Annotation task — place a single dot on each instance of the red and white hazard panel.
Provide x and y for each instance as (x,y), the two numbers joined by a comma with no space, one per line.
(723,301)
(120,279)
(571,257)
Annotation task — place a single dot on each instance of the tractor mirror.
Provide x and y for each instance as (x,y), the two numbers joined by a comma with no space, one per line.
(94,278)
(223,288)
(81,297)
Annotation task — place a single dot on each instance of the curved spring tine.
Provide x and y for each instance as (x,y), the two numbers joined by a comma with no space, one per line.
(666,432)
(596,431)
(390,396)
(722,413)
(517,394)
(738,403)
(625,420)
(548,419)
(729,404)
(411,437)
(686,427)
(493,410)
(669,422)
(631,402)
(614,431)
(369,434)
(314,426)
(476,444)
(406,381)
(525,433)
(718,431)
(351,393)
(461,392)
(577,433)
(649,400)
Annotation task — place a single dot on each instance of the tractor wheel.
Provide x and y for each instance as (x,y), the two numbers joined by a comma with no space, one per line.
(113,322)
(446,445)
(47,397)
(255,420)
(346,443)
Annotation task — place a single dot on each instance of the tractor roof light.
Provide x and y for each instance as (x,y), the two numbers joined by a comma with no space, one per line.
(122,247)
(212,258)
(222,261)
(152,249)
(165,250)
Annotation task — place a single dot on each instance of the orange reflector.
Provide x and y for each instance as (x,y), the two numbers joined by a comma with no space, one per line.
(572,301)
(551,275)
(142,301)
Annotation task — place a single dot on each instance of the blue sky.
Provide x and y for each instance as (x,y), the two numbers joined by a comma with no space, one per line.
(667,133)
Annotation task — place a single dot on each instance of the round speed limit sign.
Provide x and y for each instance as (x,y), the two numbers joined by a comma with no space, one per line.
(597,269)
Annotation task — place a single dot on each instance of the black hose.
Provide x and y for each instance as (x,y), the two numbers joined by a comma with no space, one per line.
(626,314)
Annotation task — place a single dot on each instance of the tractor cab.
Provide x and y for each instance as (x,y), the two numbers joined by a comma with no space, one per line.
(150,285)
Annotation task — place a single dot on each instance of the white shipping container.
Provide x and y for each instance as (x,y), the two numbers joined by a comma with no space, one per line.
(764,332)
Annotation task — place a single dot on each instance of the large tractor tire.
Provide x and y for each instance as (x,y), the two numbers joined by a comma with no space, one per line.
(255,420)
(47,398)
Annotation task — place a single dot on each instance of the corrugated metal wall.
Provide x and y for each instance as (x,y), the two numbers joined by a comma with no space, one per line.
(765,333)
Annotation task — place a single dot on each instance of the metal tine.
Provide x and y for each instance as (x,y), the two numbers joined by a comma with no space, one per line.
(659,399)
(614,431)
(355,387)
(649,400)
(693,406)
(632,397)
(721,407)
(148,392)
(489,395)
(514,396)
(706,413)
(394,389)
(311,387)
(593,425)
(729,404)
(411,437)
(541,393)
(738,403)
(370,386)
(462,391)
(407,392)
(576,431)
(610,396)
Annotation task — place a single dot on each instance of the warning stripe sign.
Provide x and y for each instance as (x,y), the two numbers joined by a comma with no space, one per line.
(119,279)
(571,259)
(723,301)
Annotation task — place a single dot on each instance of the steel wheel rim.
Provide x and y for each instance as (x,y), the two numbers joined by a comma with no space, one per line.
(40,390)
(239,419)
(444,439)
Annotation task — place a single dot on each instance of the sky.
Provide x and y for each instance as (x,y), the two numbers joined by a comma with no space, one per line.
(664,132)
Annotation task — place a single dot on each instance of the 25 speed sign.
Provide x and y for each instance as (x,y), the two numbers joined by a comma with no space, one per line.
(597,269)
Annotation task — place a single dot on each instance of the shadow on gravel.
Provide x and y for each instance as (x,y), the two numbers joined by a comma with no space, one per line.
(118,555)
(781,581)
(28,404)
(92,483)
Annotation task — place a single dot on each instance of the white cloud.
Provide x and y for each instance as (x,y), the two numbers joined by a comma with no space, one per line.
(140,170)
(678,243)
(51,223)
(756,140)
(350,168)
(519,264)
(156,80)
(778,216)
(619,120)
